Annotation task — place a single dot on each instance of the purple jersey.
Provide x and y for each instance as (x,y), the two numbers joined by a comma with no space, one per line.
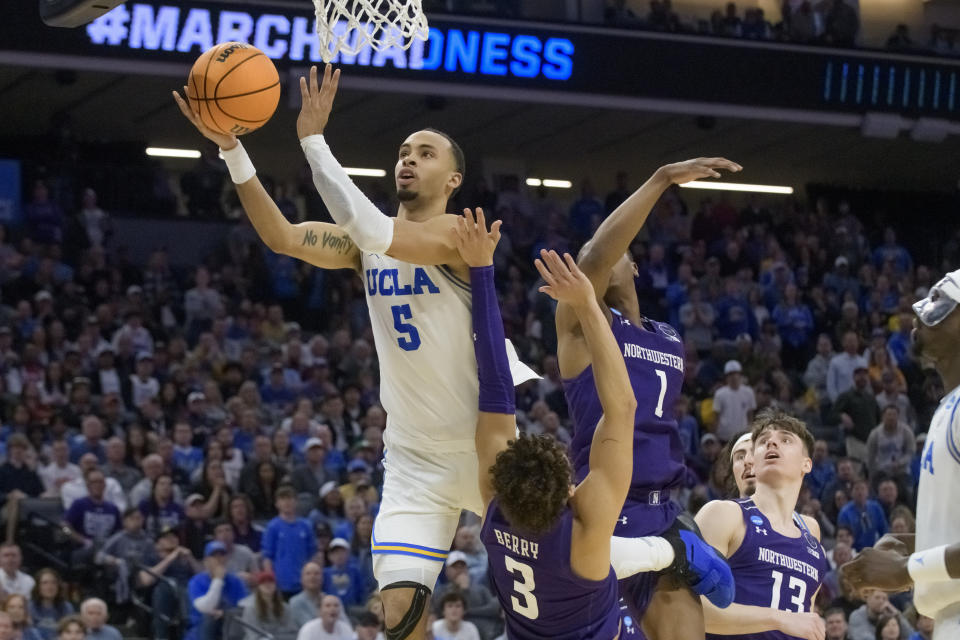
(772,570)
(654,358)
(542,598)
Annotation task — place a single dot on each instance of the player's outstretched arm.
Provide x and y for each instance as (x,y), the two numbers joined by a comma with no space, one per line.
(320,244)
(496,422)
(600,496)
(427,242)
(615,234)
(935,573)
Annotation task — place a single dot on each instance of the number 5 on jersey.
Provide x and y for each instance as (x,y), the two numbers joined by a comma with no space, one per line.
(409,339)
(524,588)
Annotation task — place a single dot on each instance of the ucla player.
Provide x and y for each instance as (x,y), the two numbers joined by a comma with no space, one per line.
(777,561)
(654,355)
(419,302)
(933,566)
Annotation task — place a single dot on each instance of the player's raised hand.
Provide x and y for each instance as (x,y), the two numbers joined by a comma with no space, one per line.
(697,169)
(877,569)
(190,112)
(316,101)
(565,282)
(475,244)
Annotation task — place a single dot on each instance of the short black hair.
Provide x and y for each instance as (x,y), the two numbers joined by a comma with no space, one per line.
(368,619)
(531,479)
(459,159)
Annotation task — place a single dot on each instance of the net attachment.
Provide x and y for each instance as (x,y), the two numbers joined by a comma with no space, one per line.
(349,26)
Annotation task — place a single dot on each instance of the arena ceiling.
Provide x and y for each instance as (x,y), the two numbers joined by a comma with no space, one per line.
(553,141)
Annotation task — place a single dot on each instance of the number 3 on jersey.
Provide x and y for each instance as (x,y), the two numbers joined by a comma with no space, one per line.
(409,339)
(524,588)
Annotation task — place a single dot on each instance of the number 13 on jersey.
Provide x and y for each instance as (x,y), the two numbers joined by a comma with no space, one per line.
(409,339)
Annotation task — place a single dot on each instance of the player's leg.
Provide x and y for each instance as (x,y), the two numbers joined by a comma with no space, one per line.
(411,537)
(673,613)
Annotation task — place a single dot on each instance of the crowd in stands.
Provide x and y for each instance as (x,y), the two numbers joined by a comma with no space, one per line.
(210,439)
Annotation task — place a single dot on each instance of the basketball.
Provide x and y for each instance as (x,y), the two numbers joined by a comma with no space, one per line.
(236,86)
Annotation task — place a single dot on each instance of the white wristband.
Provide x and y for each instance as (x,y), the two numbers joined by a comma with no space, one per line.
(929,565)
(238,164)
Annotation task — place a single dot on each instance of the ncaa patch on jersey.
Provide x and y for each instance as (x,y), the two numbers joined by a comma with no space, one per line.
(756,519)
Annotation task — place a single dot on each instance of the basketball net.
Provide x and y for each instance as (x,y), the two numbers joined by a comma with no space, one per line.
(348,26)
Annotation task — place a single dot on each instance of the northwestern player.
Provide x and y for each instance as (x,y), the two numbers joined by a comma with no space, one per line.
(419,303)
(933,568)
(775,554)
(741,465)
(654,355)
(548,543)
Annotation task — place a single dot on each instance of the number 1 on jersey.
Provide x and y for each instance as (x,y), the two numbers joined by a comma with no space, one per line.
(663,392)
(402,312)
(524,588)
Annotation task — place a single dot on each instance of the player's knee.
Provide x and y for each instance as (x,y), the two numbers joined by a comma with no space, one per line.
(404,604)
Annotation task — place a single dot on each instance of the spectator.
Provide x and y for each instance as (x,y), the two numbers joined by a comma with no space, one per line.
(70,628)
(186,457)
(863,621)
(288,543)
(622,189)
(342,578)
(618,14)
(842,23)
(451,625)
(48,603)
(241,517)
(888,495)
(263,493)
(815,376)
(76,489)
(160,511)
(890,394)
(823,472)
(843,366)
(858,414)
(116,466)
(923,628)
(153,467)
(44,219)
(17,479)
(900,39)
(890,448)
(467,541)
(307,478)
(900,344)
(12,579)
(6,627)
(201,304)
(586,212)
(143,385)
(697,318)
(60,470)
(266,610)
(733,403)
(177,565)
(305,606)
(795,324)
(15,606)
(368,627)
(329,625)
(92,519)
(211,594)
(95,221)
(93,611)
(196,529)
(482,607)
(90,441)
(123,551)
(836,625)
(241,561)
(864,517)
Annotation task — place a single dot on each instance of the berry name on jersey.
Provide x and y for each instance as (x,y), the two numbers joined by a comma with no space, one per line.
(517,545)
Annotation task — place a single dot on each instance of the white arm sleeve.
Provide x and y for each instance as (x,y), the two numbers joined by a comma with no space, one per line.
(930,597)
(207,603)
(629,556)
(368,227)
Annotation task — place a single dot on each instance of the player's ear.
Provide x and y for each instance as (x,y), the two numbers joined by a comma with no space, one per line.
(807,464)
(455,180)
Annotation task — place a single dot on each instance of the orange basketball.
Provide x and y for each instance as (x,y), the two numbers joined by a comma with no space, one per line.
(236,87)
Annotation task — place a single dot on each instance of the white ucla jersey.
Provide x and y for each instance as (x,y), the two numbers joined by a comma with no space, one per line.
(422,327)
(938,521)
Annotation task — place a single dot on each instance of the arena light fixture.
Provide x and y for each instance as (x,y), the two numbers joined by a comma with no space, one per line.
(737,186)
(547,182)
(162,152)
(366,173)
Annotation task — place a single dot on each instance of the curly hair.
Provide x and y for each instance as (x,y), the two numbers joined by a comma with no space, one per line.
(531,478)
(780,420)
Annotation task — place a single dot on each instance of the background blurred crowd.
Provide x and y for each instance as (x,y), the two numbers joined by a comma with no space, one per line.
(163,427)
